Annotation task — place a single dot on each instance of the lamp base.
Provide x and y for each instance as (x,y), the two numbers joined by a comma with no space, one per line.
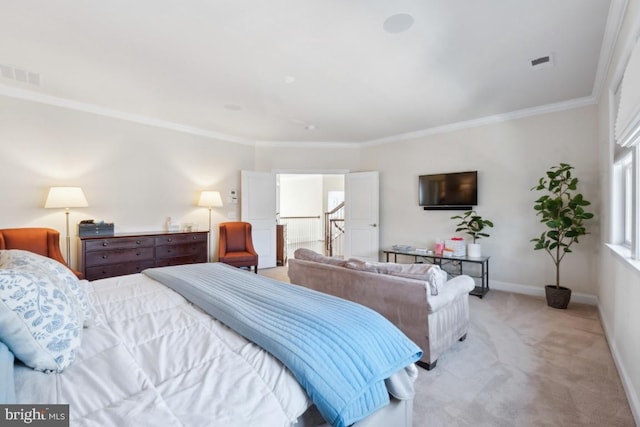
(68,239)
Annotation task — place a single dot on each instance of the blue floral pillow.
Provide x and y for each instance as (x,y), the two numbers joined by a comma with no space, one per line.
(8,389)
(58,273)
(40,321)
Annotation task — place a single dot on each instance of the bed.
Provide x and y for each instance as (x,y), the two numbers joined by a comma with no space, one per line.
(147,355)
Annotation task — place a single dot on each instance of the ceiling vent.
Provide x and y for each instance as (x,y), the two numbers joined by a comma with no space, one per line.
(20,75)
(542,62)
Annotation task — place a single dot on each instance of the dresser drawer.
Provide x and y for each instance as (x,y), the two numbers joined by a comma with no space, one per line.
(189,259)
(171,251)
(120,243)
(110,270)
(118,256)
(176,239)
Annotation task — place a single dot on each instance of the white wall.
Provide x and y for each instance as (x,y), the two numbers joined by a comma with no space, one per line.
(133,175)
(618,283)
(301,195)
(311,159)
(509,157)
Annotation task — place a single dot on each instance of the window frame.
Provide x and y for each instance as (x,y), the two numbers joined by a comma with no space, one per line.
(624,200)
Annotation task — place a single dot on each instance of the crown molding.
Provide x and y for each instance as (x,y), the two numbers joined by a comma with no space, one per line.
(498,118)
(617,11)
(308,144)
(28,95)
(40,98)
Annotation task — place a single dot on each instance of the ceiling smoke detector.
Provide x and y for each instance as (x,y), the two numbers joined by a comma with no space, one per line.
(542,62)
(398,23)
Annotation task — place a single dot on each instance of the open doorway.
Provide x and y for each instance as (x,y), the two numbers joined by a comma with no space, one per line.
(311,212)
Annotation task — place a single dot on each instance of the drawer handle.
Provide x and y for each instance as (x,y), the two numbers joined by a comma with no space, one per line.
(104,243)
(137,253)
(104,257)
(169,240)
(138,242)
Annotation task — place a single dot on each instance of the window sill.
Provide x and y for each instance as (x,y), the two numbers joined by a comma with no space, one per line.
(625,254)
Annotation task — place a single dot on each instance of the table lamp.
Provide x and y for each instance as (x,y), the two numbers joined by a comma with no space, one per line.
(66,197)
(210,199)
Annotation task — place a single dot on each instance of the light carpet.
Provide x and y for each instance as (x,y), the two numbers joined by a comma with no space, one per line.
(522,364)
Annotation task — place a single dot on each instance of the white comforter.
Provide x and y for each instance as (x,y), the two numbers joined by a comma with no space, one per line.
(156,360)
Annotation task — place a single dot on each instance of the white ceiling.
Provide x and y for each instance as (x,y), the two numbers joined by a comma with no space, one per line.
(252,71)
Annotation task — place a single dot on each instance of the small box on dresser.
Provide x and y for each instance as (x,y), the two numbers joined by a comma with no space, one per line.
(96,229)
(119,254)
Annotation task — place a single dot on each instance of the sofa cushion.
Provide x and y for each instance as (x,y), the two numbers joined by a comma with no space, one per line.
(309,255)
(357,264)
(429,273)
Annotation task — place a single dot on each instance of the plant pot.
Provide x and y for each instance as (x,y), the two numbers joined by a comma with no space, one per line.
(557,297)
(474,250)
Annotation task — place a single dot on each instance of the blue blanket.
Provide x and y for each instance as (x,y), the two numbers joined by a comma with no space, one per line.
(339,351)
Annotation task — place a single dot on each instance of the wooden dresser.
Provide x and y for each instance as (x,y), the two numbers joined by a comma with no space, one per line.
(126,253)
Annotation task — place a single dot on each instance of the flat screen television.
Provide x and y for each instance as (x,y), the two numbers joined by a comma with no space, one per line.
(448,191)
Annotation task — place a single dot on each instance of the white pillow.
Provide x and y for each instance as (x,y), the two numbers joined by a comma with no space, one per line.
(41,319)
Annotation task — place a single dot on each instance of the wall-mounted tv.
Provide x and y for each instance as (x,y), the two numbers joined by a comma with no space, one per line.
(448,191)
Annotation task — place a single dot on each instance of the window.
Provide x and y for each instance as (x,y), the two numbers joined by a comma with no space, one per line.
(623,203)
(625,212)
(627,183)
(625,113)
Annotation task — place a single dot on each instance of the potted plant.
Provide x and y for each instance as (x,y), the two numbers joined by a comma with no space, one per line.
(473,224)
(561,209)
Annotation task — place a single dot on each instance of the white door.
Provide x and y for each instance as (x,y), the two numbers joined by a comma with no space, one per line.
(258,207)
(361,216)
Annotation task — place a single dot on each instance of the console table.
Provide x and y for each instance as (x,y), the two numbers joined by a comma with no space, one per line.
(451,264)
(126,253)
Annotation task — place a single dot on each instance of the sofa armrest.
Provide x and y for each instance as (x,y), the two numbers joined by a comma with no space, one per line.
(451,290)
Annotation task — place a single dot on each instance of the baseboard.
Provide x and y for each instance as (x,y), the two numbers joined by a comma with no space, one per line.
(539,291)
(632,394)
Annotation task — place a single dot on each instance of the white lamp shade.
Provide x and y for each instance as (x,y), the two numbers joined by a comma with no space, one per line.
(66,197)
(210,199)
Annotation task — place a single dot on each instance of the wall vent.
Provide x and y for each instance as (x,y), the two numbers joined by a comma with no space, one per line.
(20,75)
(542,62)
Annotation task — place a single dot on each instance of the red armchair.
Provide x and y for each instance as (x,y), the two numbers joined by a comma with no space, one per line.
(235,245)
(42,241)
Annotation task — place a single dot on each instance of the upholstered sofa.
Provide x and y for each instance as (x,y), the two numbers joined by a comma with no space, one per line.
(417,298)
